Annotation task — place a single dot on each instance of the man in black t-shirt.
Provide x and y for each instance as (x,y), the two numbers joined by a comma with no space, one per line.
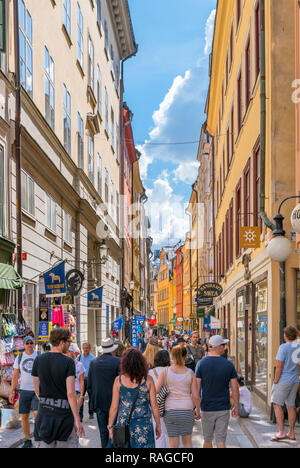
(54,382)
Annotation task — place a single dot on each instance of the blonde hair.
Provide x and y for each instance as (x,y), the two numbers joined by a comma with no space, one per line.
(178,355)
(150,354)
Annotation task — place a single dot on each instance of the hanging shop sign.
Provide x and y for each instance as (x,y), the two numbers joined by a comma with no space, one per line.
(250,237)
(95,298)
(140,319)
(44,331)
(173,321)
(74,282)
(200,312)
(179,319)
(55,281)
(209,290)
(204,301)
(118,324)
(295,218)
(134,333)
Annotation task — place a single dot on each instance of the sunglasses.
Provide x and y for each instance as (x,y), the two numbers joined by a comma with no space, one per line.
(29,343)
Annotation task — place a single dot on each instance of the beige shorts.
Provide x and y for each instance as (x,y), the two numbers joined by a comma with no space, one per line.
(215,423)
(284,394)
(72,442)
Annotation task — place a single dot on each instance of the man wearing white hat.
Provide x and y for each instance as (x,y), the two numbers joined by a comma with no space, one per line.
(103,371)
(215,375)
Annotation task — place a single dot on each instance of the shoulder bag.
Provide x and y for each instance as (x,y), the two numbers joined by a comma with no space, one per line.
(162,395)
(121,434)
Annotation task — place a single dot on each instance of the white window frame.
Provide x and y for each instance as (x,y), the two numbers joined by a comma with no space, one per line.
(26,54)
(91,143)
(91,64)
(80,141)
(67,16)
(80,40)
(106,111)
(50,214)
(68,235)
(99,175)
(49,85)
(67,119)
(28,193)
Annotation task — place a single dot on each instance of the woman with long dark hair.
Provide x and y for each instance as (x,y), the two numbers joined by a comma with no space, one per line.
(134,381)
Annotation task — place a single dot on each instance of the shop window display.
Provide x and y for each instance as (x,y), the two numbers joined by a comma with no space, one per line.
(261,345)
(241,335)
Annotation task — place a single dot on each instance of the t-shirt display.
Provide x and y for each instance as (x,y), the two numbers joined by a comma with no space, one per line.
(215,374)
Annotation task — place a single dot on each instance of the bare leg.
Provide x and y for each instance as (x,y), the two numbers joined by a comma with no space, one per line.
(25,425)
(292,421)
(280,420)
(187,441)
(208,445)
(174,442)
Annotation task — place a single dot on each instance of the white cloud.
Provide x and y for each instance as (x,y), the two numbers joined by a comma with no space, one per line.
(186,172)
(209,32)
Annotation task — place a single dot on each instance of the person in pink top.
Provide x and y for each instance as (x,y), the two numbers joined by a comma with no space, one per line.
(182,398)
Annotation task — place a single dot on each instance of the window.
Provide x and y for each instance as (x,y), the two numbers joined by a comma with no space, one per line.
(106,185)
(99,91)
(99,12)
(26,62)
(228,148)
(91,158)
(117,208)
(50,214)
(91,65)
(27,185)
(67,120)
(112,60)
(232,133)
(112,199)
(80,141)
(231,231)
(112,129)
(247,74)
(238,13)
(67,228)
(247,195)
(238,214)
(49,90)
(239,102)
(231,47)
(79,36)
(105,35)
(117,73)
(67,16)
(118,142)
(257,40)
(99,175)
(2,222)
(106,110)
(256,191)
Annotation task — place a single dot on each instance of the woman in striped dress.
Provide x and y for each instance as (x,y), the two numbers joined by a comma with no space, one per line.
(182,398)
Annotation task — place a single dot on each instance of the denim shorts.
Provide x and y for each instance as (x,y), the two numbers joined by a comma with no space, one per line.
(28,401)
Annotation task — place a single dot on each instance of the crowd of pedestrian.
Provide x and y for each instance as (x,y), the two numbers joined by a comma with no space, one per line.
(144,397)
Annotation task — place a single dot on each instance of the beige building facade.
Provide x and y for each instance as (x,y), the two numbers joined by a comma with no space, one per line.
(71,56)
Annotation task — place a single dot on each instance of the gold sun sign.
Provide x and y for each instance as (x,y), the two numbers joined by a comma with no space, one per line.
(250,237)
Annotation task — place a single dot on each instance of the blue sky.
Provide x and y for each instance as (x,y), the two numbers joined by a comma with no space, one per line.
(166,87)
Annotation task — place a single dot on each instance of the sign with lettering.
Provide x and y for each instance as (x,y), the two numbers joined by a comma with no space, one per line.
(209,290)
(95,298)
(295,219)
(55,281)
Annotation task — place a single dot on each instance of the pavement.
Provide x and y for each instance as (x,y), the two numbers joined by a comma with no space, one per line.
(254,432)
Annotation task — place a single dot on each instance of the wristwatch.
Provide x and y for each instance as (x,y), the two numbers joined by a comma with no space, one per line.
(110,427)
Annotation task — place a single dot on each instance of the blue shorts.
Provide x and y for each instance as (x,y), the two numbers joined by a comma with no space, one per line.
(28,401)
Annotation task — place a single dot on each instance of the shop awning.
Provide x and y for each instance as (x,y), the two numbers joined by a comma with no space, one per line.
(9,278)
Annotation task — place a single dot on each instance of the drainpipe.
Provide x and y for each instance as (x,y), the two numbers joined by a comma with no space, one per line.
(18,154)
(263,116)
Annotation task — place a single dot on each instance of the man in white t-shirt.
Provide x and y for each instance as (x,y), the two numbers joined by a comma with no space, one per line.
(28,399)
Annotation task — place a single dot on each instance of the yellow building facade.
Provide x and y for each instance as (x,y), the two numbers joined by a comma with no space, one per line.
(253,153)
(163,292)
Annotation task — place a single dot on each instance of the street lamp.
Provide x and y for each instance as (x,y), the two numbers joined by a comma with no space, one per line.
(103,252)
(279,250)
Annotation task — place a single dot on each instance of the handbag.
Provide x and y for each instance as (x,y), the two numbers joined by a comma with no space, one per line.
(121,434)
(162,395)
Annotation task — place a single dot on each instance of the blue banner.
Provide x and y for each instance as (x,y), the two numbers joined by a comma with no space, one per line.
(134,332)
(44,331)
(140,318)
(118,324)
(95,298)
(55,281)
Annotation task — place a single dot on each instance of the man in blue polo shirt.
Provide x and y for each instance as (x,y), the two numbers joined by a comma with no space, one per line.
(215,375)
(86,358)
